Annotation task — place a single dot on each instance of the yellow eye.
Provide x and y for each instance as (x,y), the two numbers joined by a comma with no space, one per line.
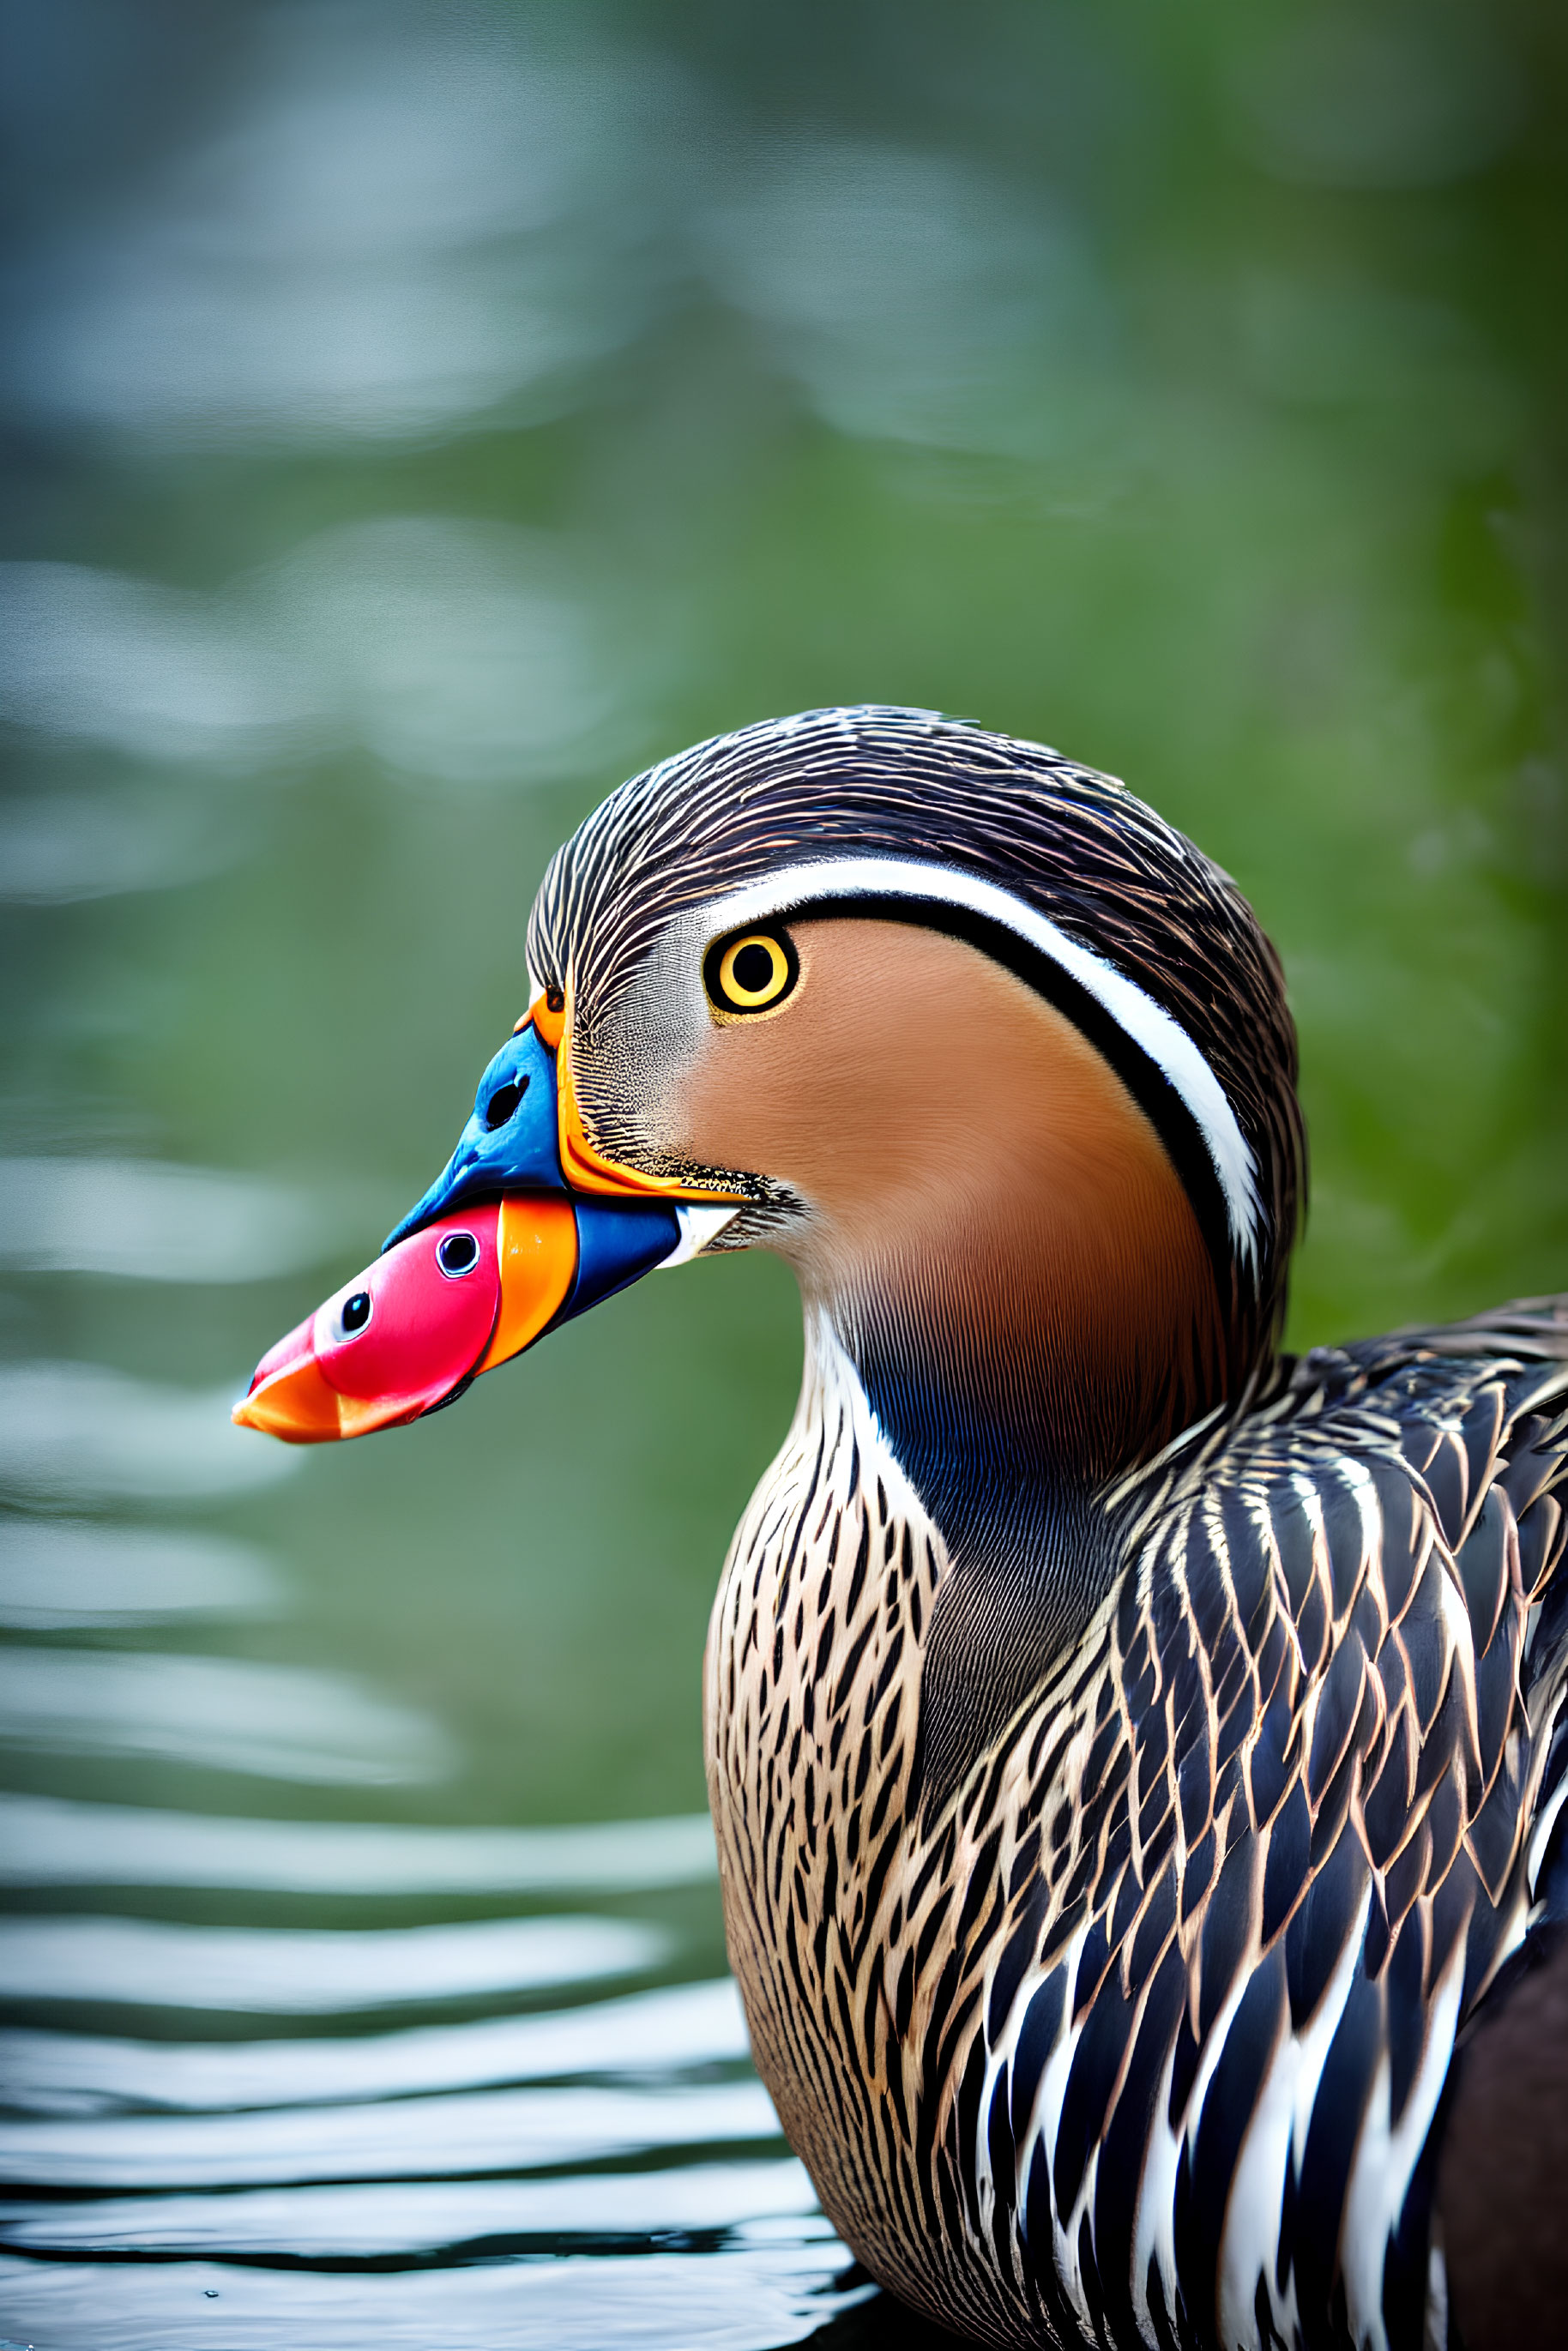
(751,971)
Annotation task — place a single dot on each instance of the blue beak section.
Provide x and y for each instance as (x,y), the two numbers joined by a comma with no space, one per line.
(616,1243)
(509,1145)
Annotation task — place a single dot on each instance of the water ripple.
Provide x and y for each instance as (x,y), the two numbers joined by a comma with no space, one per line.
(394,2138)
(80,1433)
(56,1573)
(739,2298)
(678,2026)
(394,229)
(421,2217)
(156,1223)
(455,650)
(49,1840)
(230,1714)
(312,1970)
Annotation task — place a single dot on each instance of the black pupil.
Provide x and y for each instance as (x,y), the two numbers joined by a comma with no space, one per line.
(503,1103)
(457,1252)
(753,969)
(356,1311)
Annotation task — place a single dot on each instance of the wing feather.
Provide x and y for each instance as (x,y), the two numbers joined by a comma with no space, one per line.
(1309,1826)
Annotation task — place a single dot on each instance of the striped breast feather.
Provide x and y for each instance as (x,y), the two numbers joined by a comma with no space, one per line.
(1321,1800)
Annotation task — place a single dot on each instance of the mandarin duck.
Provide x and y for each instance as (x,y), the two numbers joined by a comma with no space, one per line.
(1136,1756)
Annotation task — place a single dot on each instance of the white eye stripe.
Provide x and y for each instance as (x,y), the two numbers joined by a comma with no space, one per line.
(1149,1026)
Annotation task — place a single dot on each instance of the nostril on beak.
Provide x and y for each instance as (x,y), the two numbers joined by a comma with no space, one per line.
(503,1103)
(457,1254)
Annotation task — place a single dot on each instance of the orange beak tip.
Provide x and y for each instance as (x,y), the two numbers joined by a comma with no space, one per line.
(293,1402)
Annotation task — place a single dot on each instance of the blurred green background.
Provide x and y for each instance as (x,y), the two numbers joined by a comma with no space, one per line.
(420,417)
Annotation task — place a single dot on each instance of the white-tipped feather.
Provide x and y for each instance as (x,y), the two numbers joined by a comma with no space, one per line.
(1387,2154)
(699,1226)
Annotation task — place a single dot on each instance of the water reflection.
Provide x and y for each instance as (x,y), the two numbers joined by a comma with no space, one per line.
(156,673)
(733,2297)
(396,2117)
(453,651)
(56,1575)
(156,1223)
(223,1714)
(347,2147)
(318,1971)
(920,299)
(493,2131)
(390,230)
(653,2134)
(425,2217)
(46,1840)
(57,846)
(82,1433)
(678,2026)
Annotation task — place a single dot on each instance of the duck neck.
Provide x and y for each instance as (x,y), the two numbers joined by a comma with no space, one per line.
(1015,1373)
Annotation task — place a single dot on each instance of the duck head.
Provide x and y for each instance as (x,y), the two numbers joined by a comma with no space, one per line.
(989,1052)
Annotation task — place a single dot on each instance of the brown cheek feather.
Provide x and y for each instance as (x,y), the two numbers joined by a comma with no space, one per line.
(980,1175)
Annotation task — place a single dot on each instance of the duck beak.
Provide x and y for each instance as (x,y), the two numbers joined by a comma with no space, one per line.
(411,1331)
(467,1280)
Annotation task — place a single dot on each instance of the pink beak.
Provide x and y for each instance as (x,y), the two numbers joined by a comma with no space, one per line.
(418,1324)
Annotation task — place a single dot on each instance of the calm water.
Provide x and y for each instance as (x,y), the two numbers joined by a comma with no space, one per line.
(417,418)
